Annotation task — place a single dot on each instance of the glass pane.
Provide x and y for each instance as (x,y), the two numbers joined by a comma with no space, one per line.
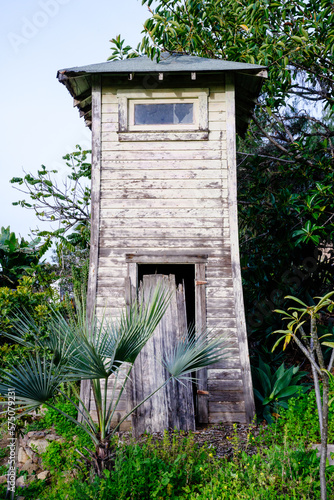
(163,114)
(183,113)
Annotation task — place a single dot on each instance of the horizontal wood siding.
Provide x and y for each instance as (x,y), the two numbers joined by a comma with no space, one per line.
(172,196)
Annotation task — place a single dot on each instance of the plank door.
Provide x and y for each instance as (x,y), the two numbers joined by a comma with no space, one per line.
(173,406)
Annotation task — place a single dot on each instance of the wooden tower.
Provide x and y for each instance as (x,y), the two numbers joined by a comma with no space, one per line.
(164,199)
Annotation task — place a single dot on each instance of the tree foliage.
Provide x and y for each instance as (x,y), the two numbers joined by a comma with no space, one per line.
(19,257)
(68,203)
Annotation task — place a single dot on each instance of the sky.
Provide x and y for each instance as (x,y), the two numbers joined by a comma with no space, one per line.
(39,123)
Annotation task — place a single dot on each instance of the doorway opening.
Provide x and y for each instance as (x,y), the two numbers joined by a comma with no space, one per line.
(184,274)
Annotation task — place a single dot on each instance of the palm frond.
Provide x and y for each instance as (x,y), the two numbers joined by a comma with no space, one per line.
(35,381)
(135,327)
(194,352)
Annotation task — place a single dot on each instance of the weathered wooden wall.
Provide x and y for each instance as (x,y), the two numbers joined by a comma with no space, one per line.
(175,197)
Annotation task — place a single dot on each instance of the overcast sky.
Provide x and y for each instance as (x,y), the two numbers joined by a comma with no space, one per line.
(39,124)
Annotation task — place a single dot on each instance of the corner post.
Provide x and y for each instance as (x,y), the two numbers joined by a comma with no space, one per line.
(235,257)
(85,388)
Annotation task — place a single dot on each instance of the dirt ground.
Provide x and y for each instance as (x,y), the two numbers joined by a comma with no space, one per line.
(225,439)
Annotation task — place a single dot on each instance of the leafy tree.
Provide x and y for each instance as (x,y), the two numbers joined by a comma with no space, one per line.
(99,351)
(68,204)
(285,162)
(18,257)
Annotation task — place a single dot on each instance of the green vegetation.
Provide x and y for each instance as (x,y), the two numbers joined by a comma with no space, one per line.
(19,258)
(69,204)
(100,351)
(267,463)
(272,390)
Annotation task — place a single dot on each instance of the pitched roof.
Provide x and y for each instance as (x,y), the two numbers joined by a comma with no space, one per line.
(248,78)
(173,63)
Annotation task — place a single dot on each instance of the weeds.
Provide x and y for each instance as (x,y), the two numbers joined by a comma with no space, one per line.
(270,463)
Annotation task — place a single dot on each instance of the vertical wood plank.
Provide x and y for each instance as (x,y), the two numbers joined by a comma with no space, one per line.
(95,217)
(130,297)
(200,318)
(203,112)
(122,113)
(236,272)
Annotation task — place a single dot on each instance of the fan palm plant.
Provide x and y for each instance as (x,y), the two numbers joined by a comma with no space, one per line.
(101,351)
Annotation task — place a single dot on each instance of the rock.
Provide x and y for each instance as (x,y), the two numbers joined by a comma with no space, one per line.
(39,445)
(52,437)
(20,498)
(21,482)
(37,434)
(31,454)
(23,441)
(22,456)
(3,479)
(43,475)
(30,467)
(34,457)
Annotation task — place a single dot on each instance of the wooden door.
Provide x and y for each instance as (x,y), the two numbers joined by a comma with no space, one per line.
(172,407)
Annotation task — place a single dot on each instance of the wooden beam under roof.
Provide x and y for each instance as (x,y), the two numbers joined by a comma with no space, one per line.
(82,97)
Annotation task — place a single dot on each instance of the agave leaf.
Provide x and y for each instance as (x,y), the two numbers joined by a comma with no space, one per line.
(288,391)
(283,404)
(267,415)
(264,367)
(264,381)
(258,395)
(278,373)
(283,380)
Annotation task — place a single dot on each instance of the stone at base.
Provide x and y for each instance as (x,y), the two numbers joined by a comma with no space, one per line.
(30,467)
(21,482)
(22,456)
(43,475)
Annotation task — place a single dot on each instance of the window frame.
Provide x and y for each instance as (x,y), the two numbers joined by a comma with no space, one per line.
(162,126)
(128,131)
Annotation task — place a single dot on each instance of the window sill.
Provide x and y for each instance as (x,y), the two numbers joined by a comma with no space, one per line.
(148,136)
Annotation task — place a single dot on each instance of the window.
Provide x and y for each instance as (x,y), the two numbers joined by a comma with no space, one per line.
(163,115)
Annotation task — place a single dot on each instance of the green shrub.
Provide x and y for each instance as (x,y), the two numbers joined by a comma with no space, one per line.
(24,298)
(301,418)
(273,389)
